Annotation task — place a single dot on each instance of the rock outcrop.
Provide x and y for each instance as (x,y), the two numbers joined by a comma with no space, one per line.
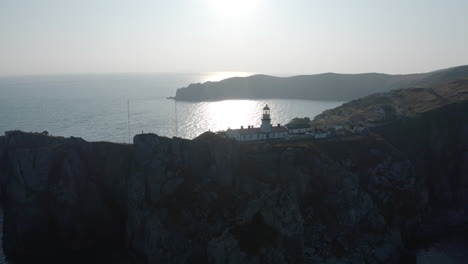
(268,203)
(3,165)
(65,199)
(353,199)
(436,143)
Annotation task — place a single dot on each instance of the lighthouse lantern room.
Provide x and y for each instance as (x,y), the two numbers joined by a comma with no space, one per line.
(266,121)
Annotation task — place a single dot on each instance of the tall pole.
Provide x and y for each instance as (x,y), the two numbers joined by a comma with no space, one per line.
(128,121)
(290,109)
(176,123)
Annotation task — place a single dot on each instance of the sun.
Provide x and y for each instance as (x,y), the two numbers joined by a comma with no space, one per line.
(233,8)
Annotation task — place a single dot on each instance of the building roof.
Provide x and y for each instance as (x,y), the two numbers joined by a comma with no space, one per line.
(279,129)
(298,126)
(248,131)
(266,108)
(258,130)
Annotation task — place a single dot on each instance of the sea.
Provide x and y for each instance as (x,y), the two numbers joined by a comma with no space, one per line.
(115,107)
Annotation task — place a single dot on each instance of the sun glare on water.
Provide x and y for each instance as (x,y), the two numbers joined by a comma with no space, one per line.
(233,8)
(232,114)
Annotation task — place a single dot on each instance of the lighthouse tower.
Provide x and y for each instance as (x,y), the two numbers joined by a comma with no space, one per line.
(266,121)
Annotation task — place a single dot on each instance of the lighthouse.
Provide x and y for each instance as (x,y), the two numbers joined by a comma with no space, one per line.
(265,132)
(266,121)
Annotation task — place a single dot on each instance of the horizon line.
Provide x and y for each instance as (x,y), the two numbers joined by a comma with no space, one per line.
(276,74)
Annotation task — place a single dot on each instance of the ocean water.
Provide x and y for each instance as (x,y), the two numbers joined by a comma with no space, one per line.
(96,107)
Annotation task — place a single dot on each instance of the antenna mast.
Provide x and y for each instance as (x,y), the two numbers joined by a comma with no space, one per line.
(128,121)
(176,123)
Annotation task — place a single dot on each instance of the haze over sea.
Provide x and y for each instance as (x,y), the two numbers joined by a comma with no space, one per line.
(94,107)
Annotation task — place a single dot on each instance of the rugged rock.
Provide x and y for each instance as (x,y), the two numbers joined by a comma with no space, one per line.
(3,165)
(213,200)
(64,197)
(436,143)
(352,199)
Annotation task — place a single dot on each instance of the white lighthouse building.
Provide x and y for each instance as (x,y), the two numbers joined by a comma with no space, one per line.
(264,132)
(266,121)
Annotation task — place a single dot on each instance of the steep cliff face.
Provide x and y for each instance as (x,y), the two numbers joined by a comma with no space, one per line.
(3,165)
(436,143)
(355,199)
(212,200)
(63,197)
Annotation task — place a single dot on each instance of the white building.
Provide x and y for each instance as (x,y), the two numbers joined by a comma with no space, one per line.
(264,132)
(318,134)
(301,130)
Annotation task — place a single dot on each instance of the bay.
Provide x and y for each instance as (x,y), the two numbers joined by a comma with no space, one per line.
(96,107)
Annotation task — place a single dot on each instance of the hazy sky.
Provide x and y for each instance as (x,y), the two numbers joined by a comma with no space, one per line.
(263,36)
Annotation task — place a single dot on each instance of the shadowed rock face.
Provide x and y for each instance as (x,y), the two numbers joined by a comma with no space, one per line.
(436,143)
(3,165)
(212,200)
(64,197)
(268,203)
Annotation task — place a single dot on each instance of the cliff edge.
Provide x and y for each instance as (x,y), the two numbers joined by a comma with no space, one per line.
(353,199)
(64,199)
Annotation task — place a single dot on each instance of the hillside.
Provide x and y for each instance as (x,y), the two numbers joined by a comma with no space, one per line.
(327,86)
(381,108)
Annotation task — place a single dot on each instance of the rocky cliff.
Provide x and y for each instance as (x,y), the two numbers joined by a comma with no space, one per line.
(436,143)
(3,165)
(355,199)
(212,200)
(64,199)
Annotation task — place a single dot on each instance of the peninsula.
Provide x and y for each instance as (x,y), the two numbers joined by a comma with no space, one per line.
(326,86)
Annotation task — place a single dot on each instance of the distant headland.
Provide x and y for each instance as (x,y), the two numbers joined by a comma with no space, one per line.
(326,86)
